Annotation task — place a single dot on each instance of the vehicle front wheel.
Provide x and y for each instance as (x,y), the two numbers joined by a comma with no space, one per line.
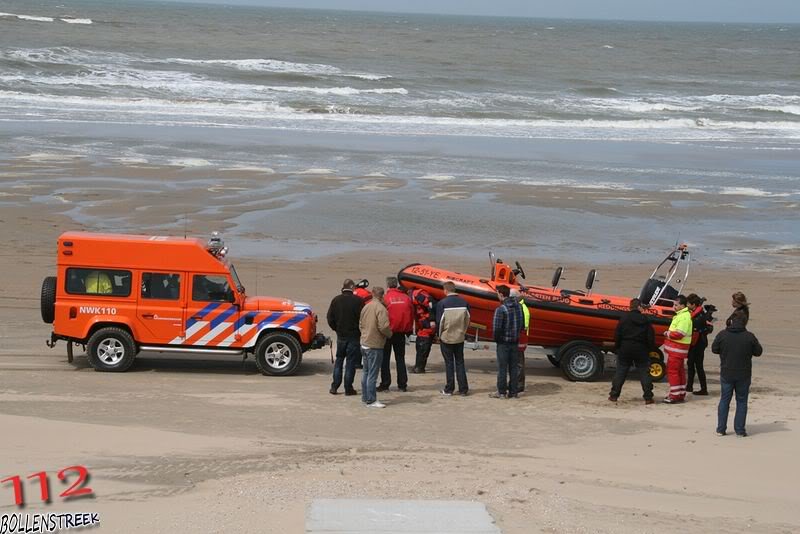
(581,361)
(278,354)
(111,349)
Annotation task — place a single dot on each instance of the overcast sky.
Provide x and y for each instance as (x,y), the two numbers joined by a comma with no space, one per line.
(780,11)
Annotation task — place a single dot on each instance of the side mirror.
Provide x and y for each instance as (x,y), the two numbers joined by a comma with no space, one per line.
(557,277)
(590,279)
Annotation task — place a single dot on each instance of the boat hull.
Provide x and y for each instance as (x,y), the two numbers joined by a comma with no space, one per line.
(558,316)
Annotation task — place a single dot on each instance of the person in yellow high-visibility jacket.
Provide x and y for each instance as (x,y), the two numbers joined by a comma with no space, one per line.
(678,339)
(98,283)
(523,340)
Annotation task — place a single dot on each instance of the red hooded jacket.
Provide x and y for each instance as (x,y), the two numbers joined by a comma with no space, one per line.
(423,313)
(401,311)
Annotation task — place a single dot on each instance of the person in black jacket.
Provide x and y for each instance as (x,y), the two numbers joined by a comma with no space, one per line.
(343,317)
(633,341)
(741,309)
(736,348)
(702,325)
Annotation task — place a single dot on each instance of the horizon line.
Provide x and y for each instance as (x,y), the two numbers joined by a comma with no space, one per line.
(235,3)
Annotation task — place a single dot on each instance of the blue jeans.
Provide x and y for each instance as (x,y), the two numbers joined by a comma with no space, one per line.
(741,386)
(348,353)
(507,354)
(453,355)
(369,376)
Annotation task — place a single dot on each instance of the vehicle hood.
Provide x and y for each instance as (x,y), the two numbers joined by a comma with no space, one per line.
(274,304)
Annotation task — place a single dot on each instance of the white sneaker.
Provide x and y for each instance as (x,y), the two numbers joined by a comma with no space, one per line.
(376,404)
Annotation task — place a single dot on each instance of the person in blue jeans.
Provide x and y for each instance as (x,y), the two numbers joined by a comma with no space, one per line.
(507,324)
(736,348)
(343,316)
(375,330)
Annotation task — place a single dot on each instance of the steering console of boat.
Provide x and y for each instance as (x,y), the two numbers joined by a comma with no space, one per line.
(519,271)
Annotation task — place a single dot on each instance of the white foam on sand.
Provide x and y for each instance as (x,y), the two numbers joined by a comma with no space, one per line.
(249,168)
(487,180)
(688,190)
(750,192)
(375,175)
(451,195)
(45,156)
(437,177)
(316,171)
(131,161)
(190,162)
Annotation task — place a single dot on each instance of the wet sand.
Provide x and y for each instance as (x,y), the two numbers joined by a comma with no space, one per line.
(180,445)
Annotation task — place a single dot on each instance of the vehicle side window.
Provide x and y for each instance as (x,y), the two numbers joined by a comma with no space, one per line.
(105,282)
(211,288)
(162,286)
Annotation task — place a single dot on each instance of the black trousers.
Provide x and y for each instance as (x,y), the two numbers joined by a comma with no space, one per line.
(423,345)
(696,356)
(398,343)
(629,356)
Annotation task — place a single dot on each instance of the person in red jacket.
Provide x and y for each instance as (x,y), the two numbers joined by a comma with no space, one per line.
(425,324)
(401,321)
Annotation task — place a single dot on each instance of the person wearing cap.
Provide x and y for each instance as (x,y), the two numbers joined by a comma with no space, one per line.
(741,309)
(678,338)
(343,317)
(736,348)
(523,339)
(506,325)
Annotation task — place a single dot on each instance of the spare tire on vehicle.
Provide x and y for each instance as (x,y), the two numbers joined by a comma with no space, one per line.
(49,299)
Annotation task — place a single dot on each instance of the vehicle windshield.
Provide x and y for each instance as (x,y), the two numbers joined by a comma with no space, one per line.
(236,281)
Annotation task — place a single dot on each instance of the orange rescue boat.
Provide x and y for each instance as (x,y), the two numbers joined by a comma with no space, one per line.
(575,327)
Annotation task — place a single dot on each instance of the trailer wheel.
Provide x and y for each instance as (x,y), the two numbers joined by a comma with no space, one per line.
(278,354)
(48,300)
(580,361)
(552,359)
(111,349)
(657,369)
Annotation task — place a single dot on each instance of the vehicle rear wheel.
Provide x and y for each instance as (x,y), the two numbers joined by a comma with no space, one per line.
(657,369)
(111,349)
(580,361)
(48,300)
(552,359)
(278,354)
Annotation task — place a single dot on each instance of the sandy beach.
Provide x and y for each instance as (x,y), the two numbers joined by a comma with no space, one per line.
(179,445)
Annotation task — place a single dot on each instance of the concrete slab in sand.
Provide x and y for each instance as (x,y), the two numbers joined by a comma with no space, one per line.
(361,516)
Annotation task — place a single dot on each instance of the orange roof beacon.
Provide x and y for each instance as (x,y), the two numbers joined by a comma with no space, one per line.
(575,327)
(119,294)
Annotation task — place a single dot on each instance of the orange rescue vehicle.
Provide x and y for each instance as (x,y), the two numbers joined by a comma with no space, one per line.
(120,294)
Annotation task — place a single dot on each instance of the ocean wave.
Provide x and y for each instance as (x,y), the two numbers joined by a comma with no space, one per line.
(32,18)
(262,113)
(39,18)
(85,57)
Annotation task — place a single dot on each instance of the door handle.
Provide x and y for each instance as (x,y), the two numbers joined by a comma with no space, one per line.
(148,315)
(196,317)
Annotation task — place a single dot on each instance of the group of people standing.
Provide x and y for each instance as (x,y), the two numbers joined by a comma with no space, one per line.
(687,338)
(371,325)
